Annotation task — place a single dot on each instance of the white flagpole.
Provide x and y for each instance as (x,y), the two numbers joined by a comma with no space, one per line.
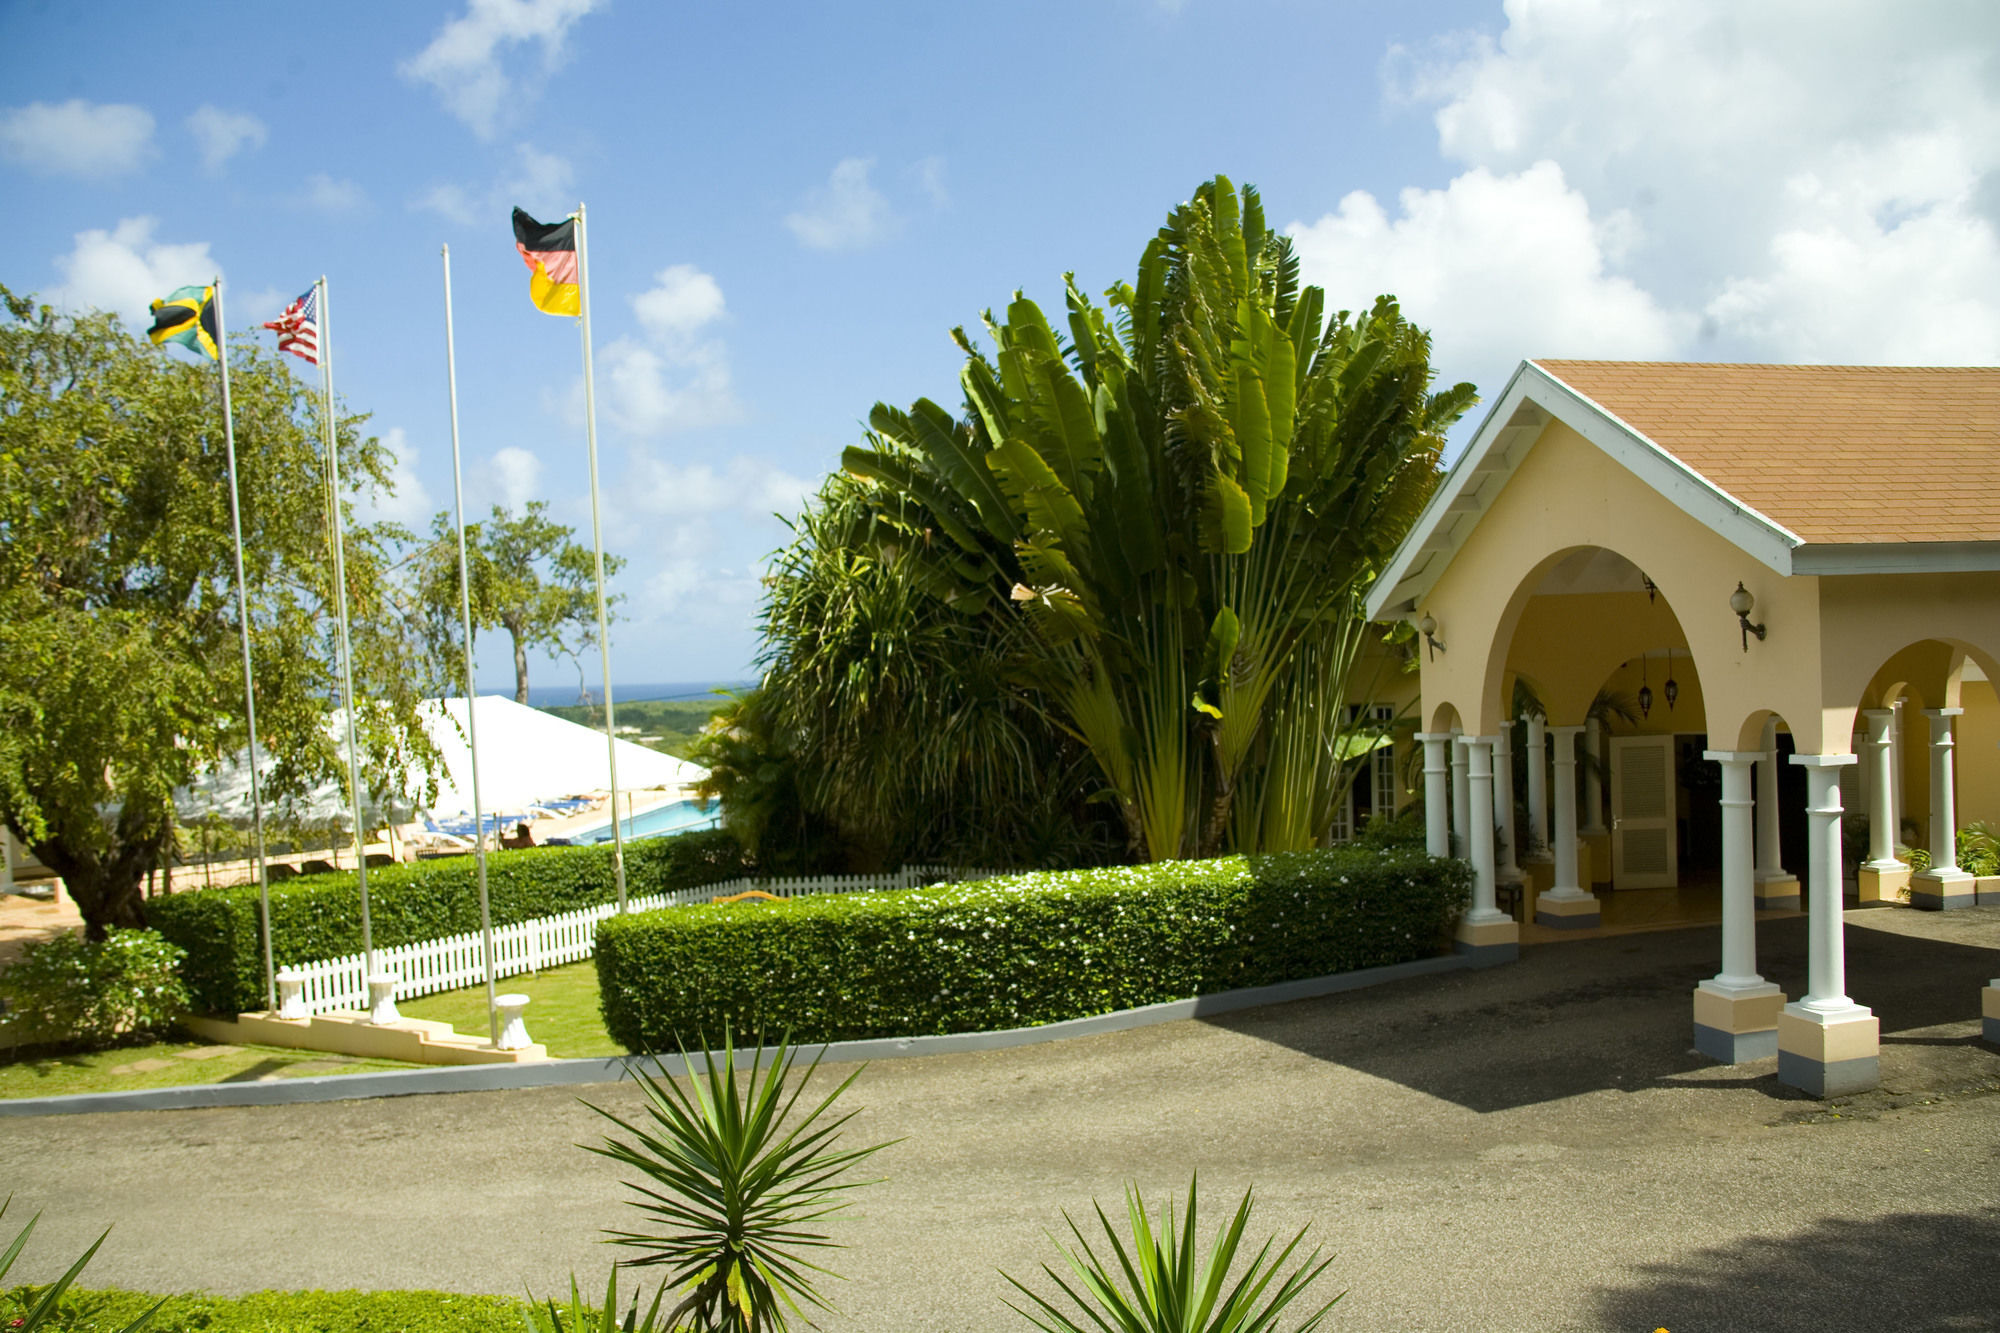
(471,691)
(597,540)
(243,618)
(335,524)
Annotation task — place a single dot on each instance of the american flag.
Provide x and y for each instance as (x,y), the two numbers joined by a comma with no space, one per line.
(298,327)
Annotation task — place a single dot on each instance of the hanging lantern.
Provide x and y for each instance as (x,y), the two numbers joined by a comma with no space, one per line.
(1645,690)
(1672,688)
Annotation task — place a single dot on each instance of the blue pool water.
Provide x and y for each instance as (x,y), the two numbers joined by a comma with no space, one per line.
(679,817)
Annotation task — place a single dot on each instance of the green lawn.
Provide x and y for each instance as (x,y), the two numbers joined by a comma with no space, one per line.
(171,1064)
(563,1016)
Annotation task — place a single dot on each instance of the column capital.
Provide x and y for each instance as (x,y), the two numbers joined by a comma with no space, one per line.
(1878,712)
(1433,736)
(1734,756)
(1825,760)
(1567,729)
(1944,712)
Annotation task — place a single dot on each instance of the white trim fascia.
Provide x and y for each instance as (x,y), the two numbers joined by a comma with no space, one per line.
(1764,539)
(1897,558)
(1448,490)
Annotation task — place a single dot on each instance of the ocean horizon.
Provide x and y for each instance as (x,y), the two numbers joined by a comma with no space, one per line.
(564,696)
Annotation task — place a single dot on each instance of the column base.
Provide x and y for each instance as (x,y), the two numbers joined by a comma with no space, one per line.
(1880,883)
(1735,1025)
(1941,890)
(1488,943)
(1593,858)
(1987,890)
(1539,873)
(1570,909)
(1778,894)
(1829,1055)
(1989,1008)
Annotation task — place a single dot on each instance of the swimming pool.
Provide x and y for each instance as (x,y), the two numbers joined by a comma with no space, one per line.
(677,817)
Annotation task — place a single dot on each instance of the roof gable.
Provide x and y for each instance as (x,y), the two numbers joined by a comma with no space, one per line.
(1741,439)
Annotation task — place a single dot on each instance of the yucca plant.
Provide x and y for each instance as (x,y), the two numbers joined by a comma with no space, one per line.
(552,1319)
(736,1177)
(1163,1285)
(43,1308)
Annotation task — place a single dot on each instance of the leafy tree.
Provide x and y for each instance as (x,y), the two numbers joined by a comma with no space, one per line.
(1180,504)
(121,675)
(527,575)
(889,726)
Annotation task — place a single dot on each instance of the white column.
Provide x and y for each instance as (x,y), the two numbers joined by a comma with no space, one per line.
(1882,805)
(1538,782)
(1770,862)
(1437,792)
(1478,753)
(1593,777)
(1564,842)
(1739,907)
(1461,796)
(1508,870)
(1944,808)
(1826,973)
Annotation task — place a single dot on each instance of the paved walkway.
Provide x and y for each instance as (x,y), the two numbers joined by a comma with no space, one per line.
(1533,1147)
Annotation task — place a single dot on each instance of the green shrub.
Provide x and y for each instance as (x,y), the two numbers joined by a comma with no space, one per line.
(1019,951)
(264,1311)
(319,916)
(66,989)
(1979,849)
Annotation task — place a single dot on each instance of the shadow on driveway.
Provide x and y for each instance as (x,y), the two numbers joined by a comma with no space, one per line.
(1616,1014)
(1905,1271)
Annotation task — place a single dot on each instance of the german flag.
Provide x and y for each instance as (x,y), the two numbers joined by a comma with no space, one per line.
(550,253)
(188,318)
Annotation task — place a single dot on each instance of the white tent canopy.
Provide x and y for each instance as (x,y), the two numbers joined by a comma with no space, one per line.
(525,757)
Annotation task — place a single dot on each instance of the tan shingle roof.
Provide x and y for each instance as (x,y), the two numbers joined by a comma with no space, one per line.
(1837,454)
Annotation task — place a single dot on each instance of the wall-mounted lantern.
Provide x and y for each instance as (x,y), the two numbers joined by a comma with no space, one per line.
(1427,626)
(1741,602)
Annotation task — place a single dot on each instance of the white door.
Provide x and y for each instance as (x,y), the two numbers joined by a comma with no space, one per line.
(1644,850)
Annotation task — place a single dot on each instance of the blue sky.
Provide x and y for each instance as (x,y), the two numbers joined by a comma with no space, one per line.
(790,205)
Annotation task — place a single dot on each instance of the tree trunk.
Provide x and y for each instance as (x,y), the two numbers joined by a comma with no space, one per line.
(520,666)
(107,887)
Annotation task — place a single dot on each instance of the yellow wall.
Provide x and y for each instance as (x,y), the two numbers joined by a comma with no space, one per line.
(1977,757)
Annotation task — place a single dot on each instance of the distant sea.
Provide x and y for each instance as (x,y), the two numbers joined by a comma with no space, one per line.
(560,696)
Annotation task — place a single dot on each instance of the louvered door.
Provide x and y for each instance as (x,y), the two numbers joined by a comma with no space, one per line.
(1644,848)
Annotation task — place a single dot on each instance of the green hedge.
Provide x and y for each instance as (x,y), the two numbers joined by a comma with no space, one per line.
(298,1311)
(1018,951)
(319,916)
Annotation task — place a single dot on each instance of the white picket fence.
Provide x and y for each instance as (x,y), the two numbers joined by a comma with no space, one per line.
(530,946)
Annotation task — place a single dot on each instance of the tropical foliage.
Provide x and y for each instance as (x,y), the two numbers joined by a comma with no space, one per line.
(94,992)
(739,1175)
(1163,1284)
(1154,532)
(43,1308)
(525,574)
(122,675)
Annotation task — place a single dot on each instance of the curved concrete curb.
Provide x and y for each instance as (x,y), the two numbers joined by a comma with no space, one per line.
(553,1073)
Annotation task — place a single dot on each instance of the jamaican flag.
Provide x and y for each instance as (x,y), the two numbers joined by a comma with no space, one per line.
(550,253)
(188,318)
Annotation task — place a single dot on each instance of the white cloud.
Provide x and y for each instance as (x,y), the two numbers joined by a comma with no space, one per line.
(929,176)
(407,500)
(684,300)
(77,138)
(125,270)
(749,487)
(674,378)
(847,213)
(1499,267)
(466,62)
(543,183)
(515,478)
(223,134)
(324,194)
(1790,180)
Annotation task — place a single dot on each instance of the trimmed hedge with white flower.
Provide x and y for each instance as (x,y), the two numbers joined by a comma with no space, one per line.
(1018,951)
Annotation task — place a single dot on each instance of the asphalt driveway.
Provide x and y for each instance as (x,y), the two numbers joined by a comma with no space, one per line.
(1532,1147)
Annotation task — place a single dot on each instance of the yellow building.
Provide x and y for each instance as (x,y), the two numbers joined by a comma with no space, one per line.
(1794,571)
